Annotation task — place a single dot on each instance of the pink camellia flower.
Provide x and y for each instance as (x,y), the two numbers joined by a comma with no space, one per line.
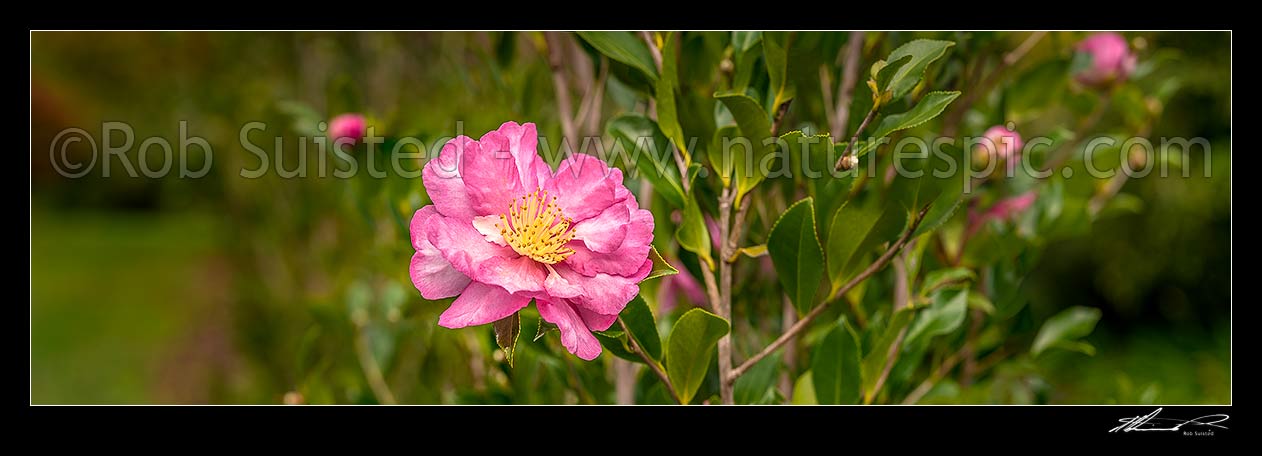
(1111,59)
(1001,144)
(1004,209)
(504,229)
(350,126)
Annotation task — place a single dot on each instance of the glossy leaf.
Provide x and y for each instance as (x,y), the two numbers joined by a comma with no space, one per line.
(907,63)
(874,361)
(643,327)
(507,332)
(857,228)
(756,128)
(660,267)
(690,349)
(667,113)
(624,47)
(751,388)
(835,368)
(692,233)
(1065,328)
(797,255)
(649,150)
(943,316)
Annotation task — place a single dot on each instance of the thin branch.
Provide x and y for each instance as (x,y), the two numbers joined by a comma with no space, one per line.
(806,320)
(738,227)
(784,107)
(653,49)
(890,358)
(845,91)
(562,89)
(919,393)
(866,120)
(589,108)
(652,364)
(725,290)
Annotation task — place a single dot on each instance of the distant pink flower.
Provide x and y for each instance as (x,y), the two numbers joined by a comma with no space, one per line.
(1000,144)
(1111,59)
(505,229)
(1004,209)
(675,285)
(351,126)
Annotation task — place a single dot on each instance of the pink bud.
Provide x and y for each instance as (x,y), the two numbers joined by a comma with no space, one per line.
(1004,209)
(1111,59)
(352,126)
(1000,143)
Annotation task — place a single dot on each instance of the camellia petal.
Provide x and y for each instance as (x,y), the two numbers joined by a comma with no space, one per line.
(575,335)
(432,274)
(480,304)
(584,186)
(443,182)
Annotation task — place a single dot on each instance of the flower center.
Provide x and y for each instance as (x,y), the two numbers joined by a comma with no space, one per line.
(535,227)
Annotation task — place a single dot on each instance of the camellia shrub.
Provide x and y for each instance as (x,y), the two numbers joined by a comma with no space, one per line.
(763,218)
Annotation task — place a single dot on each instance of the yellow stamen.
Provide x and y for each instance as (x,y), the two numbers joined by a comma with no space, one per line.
(535,227)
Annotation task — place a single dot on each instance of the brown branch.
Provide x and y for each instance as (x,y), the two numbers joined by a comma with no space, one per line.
(725,291)
(937,375)
(657,53)
(562,89)
(806,320)
(589,108)
(845,91)
(652,364)
(866,120)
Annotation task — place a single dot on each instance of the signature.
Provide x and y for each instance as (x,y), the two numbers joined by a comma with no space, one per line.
(1151,422)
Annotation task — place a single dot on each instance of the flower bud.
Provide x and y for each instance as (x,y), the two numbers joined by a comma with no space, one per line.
(1109,59)
(849,162)
(1000,144)
(352,126)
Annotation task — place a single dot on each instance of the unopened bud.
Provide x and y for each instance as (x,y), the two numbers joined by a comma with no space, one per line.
(849,162)
(1138,157)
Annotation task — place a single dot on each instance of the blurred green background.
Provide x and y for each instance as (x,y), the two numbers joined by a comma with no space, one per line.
(231,290)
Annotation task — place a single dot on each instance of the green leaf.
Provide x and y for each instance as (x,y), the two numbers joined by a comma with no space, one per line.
(796,253)
(814,157)
(979,301)
(1065,327)
(623,47)
(690,349)
(721,159)
(906,65)
(775,54)
(753,251)
(835,368)
(938,278)
(692,233)
(756,128)
(804,390)
(641,138)
(507,331)
(945,187)
(751,388)
(667,115)
(616,343)
(874,361)
(660,267)
(943,316)
(643,327)
(858,227)
(929,107)
(744,41)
